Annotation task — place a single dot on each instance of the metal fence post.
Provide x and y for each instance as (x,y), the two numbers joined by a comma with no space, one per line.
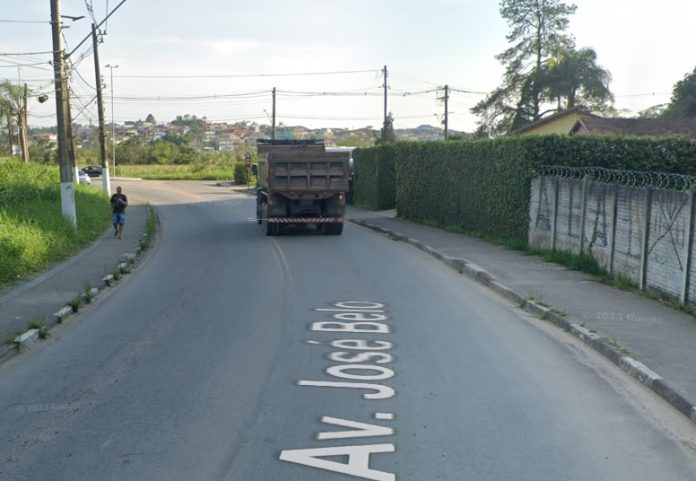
(646,238)
(612,232)
(688,244)
(583,217)
(554,225)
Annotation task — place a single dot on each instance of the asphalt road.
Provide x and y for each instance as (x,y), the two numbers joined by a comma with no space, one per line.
(234,356)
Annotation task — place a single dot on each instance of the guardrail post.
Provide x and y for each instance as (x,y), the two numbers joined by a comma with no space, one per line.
(583,217)
(688,244)
(554,225)
(646,238)
(612,232)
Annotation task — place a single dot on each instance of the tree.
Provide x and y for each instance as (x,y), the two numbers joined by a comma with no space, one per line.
(654,112)
(6,116)
(150,118)
(12,104)
(386,134)
(573,77)
(537,30)
(683,101)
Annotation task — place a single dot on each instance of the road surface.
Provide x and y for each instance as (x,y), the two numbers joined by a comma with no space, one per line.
(233,356)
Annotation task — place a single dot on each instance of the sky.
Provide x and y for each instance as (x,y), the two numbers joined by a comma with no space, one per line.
(221,59)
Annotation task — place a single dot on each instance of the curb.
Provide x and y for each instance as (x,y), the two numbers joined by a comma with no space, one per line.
(605,346)
(31,336)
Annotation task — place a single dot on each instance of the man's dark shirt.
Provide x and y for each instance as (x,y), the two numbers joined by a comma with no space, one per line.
(118,207)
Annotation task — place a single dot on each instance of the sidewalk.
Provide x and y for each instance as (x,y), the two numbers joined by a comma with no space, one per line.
(40,297)
(628,325)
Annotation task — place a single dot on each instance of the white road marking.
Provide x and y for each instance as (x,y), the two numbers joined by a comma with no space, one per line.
(361,430)
(354,317)
(382,391)
(358,460)
(339,371)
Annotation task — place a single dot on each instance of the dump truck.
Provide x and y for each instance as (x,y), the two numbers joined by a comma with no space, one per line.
(301,184)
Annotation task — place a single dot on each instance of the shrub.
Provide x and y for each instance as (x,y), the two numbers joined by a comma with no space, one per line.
(374,177)
(240,174)
(483,186)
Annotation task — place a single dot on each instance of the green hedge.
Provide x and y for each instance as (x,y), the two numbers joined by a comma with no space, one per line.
(374,177)
(482,186)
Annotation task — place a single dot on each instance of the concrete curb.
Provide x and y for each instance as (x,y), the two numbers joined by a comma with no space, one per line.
(609,348)
(31,336)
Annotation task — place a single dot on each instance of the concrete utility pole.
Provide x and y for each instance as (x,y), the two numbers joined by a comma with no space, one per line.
(100,111)
(273,122)
(23,127)
(446,99)
(385,74)
(113,126)
(67,189)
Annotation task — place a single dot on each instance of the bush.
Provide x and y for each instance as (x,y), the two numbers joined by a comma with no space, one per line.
(240,174)
(374,177)
(483,186)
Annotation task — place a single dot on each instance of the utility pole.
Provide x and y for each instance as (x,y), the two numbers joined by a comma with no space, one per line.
(100,111)
(385,74)
(67,189)
(23,126)
(71,137)
(446,120)
(113,125)
(273,122)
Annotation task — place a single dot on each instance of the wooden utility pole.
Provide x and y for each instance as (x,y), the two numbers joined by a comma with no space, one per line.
(385,74)
(273,121)
(100,113)
(67,189)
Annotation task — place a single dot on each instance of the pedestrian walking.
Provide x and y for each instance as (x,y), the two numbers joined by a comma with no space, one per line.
(119,202)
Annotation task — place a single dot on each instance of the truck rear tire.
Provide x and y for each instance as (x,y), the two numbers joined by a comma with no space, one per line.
(269,228)
(334,228)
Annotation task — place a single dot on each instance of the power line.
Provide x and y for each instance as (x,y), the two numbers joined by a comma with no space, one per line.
(294,74)
(89,35)
(90,11)
(290,93)
(17,54)
(24,21)
(31,65)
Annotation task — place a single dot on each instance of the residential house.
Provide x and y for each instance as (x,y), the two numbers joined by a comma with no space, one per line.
(577,121)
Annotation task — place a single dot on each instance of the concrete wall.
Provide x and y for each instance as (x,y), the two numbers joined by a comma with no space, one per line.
(614,233)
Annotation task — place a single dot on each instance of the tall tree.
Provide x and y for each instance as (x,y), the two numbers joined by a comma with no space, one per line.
(573,77)
(537,29)
(387,135)
(683,101)
(12,100)
(6,116)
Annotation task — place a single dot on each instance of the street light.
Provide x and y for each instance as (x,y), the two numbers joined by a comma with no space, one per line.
(113,127)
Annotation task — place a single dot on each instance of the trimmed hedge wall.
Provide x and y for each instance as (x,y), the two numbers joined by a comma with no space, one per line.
(483,186)
(374,177)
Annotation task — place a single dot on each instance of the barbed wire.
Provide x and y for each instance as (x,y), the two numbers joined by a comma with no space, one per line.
(628,178)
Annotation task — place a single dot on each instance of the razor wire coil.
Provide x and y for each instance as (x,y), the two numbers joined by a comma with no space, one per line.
(628,178)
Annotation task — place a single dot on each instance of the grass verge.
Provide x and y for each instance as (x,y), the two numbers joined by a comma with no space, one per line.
(33,232)
(146,239)
(177,172)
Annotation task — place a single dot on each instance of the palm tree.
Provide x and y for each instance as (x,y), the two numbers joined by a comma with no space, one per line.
(573,76)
